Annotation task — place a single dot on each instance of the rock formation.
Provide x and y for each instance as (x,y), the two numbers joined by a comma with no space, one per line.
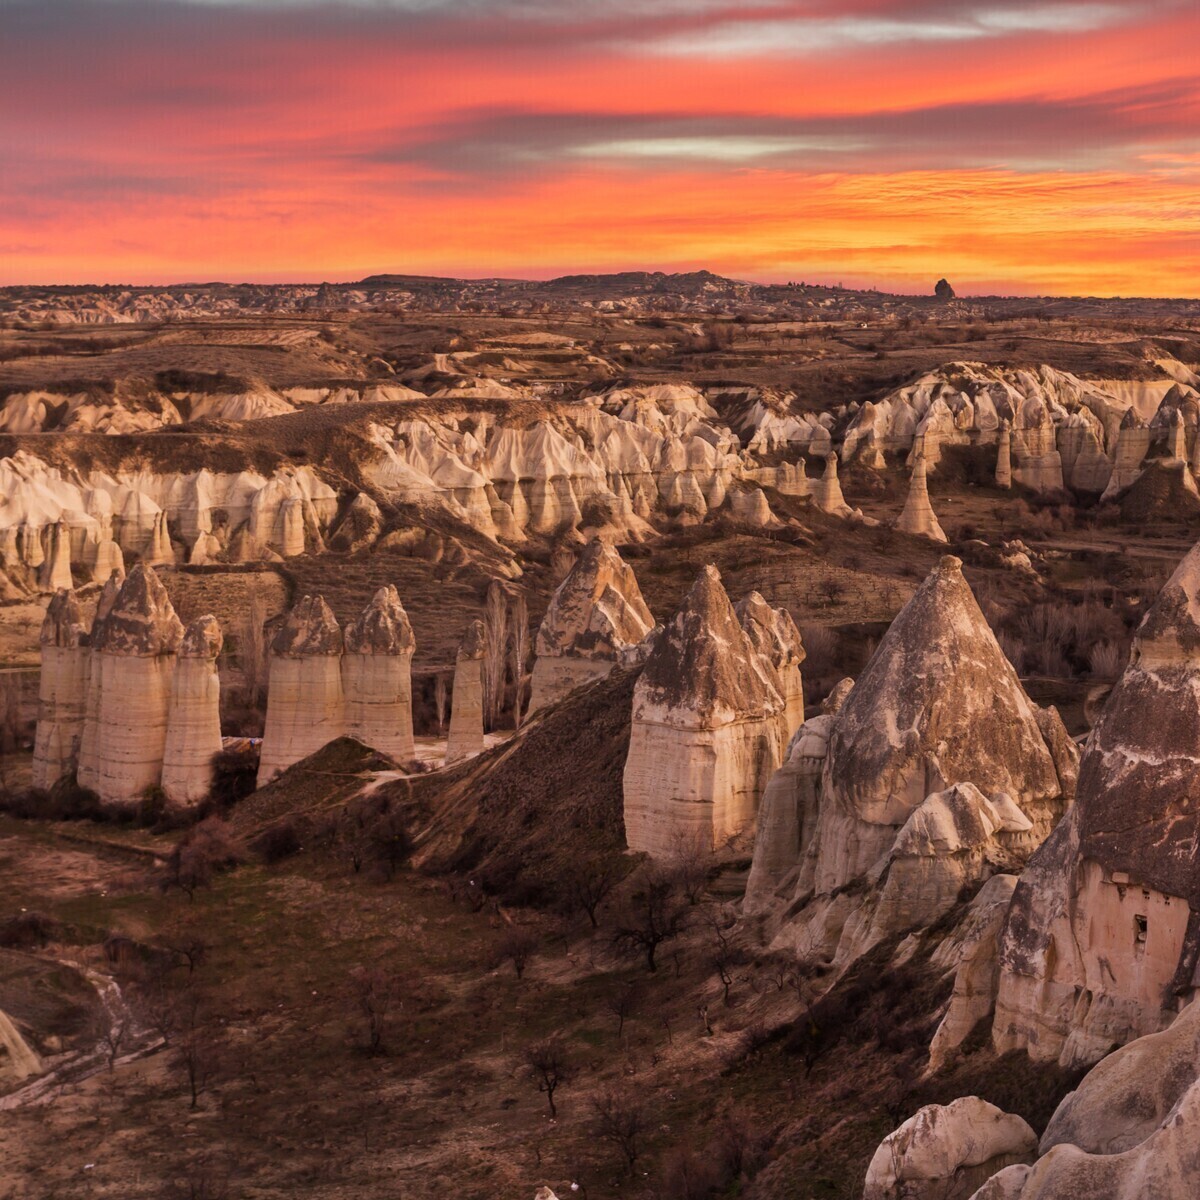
(88,772)
(827,491)
(305,707)
(194,716)
(466,701)
(943,290)
(939,769)
(1103,938)
(918,517)
(135,646)
(595,613)
(774,635)
(708,729)
(18,1060)
(377,676)
(62,691)
(944,1152)
(1130,1130)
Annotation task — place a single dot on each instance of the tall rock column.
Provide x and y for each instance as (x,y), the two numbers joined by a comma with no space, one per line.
(305,706)
(62,691)
(1004,457)
(466,702)
(707,729)
(137,645)
(774,635)
(194,716)
(87,774)
(596,612)
(377,676)
(918,517)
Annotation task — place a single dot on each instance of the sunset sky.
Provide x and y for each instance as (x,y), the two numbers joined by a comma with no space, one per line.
(1010,145)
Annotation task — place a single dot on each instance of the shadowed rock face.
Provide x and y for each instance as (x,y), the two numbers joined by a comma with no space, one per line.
(1103,938)
(465,736)
(596,613)
(773,633)
(62,691)
(202,639)
(709,728)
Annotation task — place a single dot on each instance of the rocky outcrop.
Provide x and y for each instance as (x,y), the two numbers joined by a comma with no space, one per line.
(939,771)
(918,517)
(709,728)
(194,716)
(595,613)
(827,491)
(1131,1130)
(944,1152)
(305,705)
(466,701)
(359,528)
(62,691)
(135,644)
(377,677)
(1103,939)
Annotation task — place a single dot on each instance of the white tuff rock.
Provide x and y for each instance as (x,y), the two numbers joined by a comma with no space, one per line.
(377,676)
(194,716)
(466,702)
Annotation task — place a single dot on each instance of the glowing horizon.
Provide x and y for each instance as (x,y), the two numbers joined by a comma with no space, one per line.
(1013,147)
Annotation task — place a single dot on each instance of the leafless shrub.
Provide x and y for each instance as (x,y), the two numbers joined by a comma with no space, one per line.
(551,1067)
(1107,660)
(203,851)
(517,945)
(620,1117)
(653,913)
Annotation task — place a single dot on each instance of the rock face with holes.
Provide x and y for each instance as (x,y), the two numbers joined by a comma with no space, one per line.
(709,729)
(305,704)
(944,1152)
(62,691)
(136,644)
(194,716)
(466,702)
(1102,944)
(939,771)
(377,676)
(595,613)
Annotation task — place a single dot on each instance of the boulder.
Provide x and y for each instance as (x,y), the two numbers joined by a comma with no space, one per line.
(945,1152)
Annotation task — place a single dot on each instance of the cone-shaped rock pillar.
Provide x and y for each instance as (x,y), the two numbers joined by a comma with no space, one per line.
(55,573)
(1004,457)
(305,705)
(136,647)
(377,676)
(827,491)
(774,635)
(596,612)
(709,728)
(194,716)
(62,691)
(918,517)
(466,702)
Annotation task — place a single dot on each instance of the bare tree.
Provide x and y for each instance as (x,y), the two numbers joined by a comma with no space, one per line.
(618,1116)
(622,1004)
(517,945)
(587,884)
(197,1045)
(652,914)
(375,992)
(551,1067)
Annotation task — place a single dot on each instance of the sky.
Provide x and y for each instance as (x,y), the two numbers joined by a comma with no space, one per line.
(1012,146)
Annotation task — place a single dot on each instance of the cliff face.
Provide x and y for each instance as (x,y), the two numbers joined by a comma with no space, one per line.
(1103,940)
(709,728)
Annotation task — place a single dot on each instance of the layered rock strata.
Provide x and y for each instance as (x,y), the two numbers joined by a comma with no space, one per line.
(194,716)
